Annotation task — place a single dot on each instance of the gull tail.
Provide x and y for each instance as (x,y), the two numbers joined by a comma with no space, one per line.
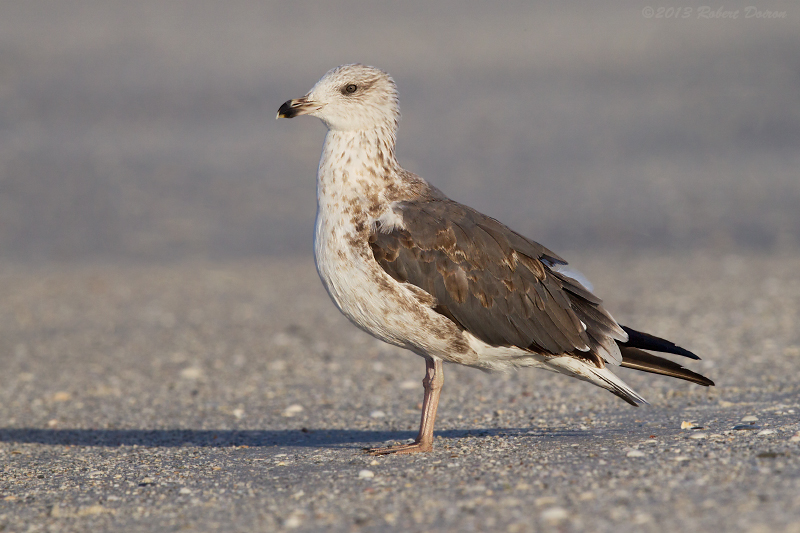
(647,362)
(645,341)
(634,356)
(602,377)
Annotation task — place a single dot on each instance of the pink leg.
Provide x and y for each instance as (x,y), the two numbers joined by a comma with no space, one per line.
(434,379)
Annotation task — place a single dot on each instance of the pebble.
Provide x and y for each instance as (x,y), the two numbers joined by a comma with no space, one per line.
(293,521)
(555,515)
(635,453)
(750,418)
(293,410)
(765,432)
(366,474)
(185,490)
(192,372)
(377,414)
(698,436)
(540,502)
(62,396)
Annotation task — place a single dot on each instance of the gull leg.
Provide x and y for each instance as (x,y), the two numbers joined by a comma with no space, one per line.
(434,379)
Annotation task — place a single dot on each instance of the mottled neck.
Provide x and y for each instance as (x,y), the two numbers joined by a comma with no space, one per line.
(357,162)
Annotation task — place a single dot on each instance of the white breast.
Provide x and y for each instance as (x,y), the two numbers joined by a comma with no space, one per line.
(348,204)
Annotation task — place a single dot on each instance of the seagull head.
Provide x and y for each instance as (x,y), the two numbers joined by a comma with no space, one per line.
(349,98)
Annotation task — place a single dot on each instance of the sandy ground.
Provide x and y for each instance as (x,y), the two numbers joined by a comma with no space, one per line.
(233,397)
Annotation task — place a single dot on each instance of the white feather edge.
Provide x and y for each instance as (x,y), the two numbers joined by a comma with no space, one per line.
(573,273)
(602,377)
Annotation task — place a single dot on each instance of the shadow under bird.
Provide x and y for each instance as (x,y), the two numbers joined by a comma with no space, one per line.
(418,270)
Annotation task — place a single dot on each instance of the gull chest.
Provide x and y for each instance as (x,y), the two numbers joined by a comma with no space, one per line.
(348,202)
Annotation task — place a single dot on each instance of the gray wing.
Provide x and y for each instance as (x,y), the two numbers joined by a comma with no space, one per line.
(501,287)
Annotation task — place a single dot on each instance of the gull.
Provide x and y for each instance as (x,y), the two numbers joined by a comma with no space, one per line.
(415,269)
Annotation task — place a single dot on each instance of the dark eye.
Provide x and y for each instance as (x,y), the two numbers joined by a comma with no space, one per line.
(350,89)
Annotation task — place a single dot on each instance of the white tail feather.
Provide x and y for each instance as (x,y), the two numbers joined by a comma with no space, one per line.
(602,377)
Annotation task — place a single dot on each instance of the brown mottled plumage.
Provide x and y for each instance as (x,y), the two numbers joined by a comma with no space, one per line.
(418,270)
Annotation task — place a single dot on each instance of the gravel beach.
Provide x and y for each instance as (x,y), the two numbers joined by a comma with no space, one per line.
(234,397)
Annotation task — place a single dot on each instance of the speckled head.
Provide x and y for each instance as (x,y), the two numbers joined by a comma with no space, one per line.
(350,98)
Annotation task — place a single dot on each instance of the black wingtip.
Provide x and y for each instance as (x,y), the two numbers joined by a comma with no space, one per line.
(645,341)
(647,362)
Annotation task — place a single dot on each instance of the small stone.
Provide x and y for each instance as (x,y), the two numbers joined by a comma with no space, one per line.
(238,413)
(795,437)
(293,410)
(555,515)
(765,432)
(192,372)
(92,510)
(377,414)
(750,418)
(147,481)
(409,384)
(294,520)
(688,425)
(635,453)
(545,500)
(185,490)
(62,396)
(698,436)
(366,474)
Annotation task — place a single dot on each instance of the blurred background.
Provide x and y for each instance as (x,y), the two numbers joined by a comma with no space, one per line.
(146,130)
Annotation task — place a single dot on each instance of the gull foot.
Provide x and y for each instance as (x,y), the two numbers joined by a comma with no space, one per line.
(414,447)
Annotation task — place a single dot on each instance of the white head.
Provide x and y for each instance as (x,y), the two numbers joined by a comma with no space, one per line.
(350,98)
